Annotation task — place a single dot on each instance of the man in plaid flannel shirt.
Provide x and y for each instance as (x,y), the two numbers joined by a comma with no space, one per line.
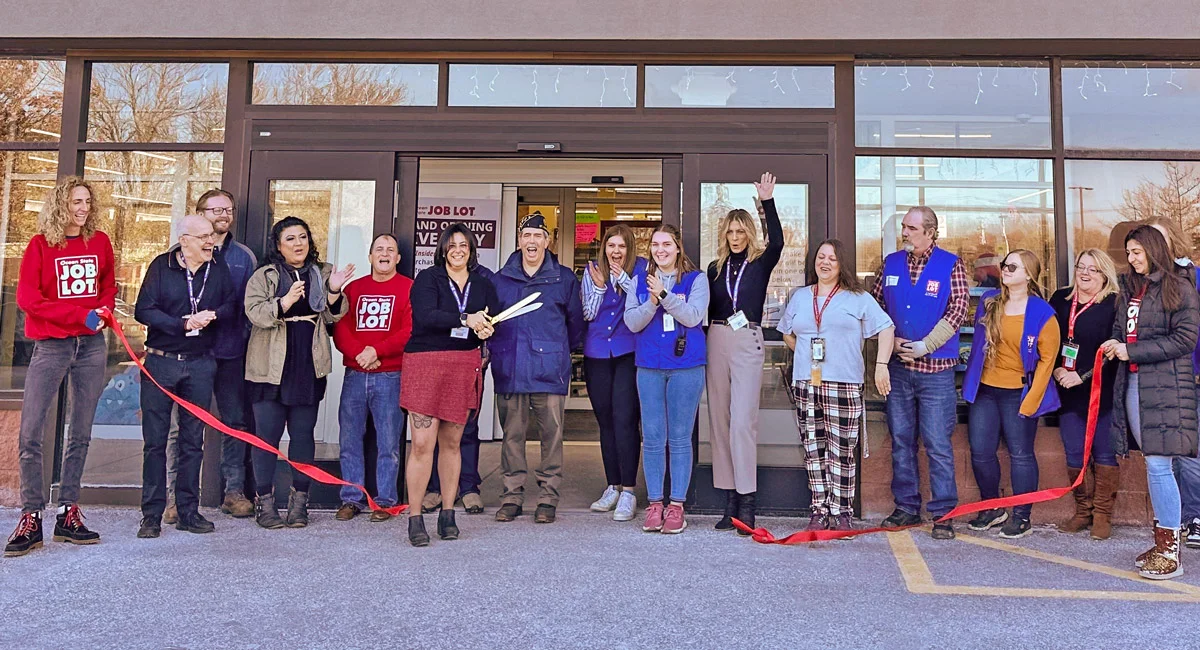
(928,304)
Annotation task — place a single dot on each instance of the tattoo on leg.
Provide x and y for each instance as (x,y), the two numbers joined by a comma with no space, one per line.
(422,421)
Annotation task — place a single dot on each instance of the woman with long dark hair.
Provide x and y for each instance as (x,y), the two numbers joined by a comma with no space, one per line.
(826,323)
(442,382)
(609,367)
(738,281)
(666,311)
(1154,397)
(1008,386)
(1086,310)
(290,301)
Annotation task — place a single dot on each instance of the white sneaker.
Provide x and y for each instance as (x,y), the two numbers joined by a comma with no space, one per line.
(607,501)
(626,507)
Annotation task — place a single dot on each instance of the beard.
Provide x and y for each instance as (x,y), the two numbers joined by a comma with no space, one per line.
(908,247)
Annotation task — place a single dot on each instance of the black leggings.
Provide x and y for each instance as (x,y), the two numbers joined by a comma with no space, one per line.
(270,416)
(612,388)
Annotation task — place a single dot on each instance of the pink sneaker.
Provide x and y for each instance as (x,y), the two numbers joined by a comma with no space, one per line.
(654,518)
(674,521)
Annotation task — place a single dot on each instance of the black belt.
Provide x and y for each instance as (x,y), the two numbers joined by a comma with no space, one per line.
(173,356)
(752,326)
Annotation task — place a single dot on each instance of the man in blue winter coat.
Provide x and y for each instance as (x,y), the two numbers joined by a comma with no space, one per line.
(531,366)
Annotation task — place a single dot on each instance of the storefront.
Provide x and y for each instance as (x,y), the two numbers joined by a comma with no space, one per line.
(1024,145)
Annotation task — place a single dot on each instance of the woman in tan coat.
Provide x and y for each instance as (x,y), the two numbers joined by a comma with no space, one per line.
(290,300)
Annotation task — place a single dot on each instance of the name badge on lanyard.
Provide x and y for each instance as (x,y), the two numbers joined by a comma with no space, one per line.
(738,320)
(461,300)
(818,343)
(194,299)
(1070,349)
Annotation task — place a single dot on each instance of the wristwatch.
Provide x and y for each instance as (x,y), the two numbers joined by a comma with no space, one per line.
(462,318)
(662,295)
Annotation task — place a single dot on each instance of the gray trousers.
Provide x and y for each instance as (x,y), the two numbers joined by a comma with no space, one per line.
(516,414)
(81,360)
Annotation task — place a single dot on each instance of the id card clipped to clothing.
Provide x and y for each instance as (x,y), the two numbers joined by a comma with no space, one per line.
(460,332)
(738,320)
(668,323)
(1070,355)
(818,357)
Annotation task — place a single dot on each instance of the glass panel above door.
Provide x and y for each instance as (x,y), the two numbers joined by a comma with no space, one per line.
(550,86)
(727,86)
(346,84)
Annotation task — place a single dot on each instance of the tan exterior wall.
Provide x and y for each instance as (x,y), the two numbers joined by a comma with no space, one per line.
(606,20)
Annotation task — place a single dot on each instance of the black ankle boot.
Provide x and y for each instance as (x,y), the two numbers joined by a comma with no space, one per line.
(416,531)
(446,526)
(746,511)
(731,510)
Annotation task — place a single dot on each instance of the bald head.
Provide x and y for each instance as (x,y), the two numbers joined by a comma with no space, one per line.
(195,239)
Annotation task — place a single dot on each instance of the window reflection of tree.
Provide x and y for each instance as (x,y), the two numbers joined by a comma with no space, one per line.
(329,84)
(157,102)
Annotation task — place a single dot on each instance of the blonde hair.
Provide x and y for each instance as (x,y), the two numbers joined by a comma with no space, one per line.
(754,248)
(993,311)
(1107,268)
(56,212)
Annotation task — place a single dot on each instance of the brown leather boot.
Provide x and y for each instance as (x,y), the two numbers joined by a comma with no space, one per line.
(1108,481)
(1083,502)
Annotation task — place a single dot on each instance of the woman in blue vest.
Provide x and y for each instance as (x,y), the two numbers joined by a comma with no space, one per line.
(666,310)
(1008,385)
(609,368)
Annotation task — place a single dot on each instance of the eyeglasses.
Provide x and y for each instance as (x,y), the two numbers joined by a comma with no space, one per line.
(212,236)
(220,211)
(1011,268)
(1090,270)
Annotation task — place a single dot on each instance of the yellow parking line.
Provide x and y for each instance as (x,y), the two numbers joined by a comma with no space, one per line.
(919,580)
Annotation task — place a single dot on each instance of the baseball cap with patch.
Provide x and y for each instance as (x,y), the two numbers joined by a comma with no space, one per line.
(535,220)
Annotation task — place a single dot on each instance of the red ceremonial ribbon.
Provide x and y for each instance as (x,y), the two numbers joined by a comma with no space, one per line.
(764,536)
(311,471)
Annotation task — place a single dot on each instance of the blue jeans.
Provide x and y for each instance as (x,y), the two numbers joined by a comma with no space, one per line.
(1160,479)
(669,400)
(1072,427)
(997,410)
(379,394)
(922,405)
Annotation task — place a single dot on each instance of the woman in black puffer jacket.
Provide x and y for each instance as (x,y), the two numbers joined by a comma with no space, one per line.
(1154,397)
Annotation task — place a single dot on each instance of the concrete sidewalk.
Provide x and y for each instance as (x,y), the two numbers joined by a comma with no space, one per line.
(583,582)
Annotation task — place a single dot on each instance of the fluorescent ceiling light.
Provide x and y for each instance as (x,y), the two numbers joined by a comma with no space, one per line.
(943,135)
(141,199)
(1031,194)
(101,170)
(155,155)
(917,165)
(48,187)
(49,133)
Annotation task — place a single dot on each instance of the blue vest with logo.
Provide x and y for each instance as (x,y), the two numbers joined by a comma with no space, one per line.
(1037,313)
(916,309)
(655,347)
(607,334)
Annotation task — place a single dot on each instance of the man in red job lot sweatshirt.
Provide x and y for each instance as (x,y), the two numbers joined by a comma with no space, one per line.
(66,276)
(371,339)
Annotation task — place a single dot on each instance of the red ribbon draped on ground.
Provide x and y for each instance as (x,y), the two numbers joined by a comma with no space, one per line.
(764,536)
(311,471)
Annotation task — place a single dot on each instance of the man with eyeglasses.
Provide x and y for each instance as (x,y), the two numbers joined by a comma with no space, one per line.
(229,349)
(183,295)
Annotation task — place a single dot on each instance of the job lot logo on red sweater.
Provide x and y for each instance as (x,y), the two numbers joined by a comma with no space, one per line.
(78,276)
(374,313)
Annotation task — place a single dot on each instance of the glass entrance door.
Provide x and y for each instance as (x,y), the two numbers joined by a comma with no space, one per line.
(345,198)
(712,186)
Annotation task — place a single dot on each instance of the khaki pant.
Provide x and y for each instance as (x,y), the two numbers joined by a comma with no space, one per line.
(734,374)
(516,412)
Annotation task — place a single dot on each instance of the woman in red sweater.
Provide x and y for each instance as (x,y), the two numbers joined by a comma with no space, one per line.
(66,277)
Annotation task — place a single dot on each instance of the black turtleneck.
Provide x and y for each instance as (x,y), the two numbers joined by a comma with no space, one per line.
(753,290)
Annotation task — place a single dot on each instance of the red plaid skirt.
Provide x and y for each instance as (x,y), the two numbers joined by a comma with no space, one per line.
(446,385)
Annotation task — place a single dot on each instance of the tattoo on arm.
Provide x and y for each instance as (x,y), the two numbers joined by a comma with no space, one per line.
(422,421)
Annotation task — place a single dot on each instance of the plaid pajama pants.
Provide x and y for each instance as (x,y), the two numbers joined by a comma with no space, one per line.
(827,417)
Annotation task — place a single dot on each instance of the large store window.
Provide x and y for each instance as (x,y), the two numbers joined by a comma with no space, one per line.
(30,100)
(140,195)
(976,105)
(157,102)
(1105,197)
(346,84)
(552,86)
(726,86)
(986,207)
(1131,105)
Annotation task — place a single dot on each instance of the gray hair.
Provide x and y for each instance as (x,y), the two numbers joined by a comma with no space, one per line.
(929,220)
(182,223)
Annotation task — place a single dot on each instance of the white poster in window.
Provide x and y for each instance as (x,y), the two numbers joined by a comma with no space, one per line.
(480,216)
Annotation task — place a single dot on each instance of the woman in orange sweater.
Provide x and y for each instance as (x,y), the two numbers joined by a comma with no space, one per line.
(1008,386)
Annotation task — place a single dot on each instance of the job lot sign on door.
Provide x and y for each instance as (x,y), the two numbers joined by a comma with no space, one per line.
(480,216)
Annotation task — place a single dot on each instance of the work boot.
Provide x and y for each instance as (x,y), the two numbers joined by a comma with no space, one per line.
(194,522)
(544,514)
(731,510)
(431,502)
(265,513)
(1083,492)
(746,508)
(150,528)
(1164,564)
(1108,481)
(69,528)
(171,514)
(297,512)
(416,531)
(347,511)
(472,503)
(508,512)
(446,528)
(237,505)
(27,537)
